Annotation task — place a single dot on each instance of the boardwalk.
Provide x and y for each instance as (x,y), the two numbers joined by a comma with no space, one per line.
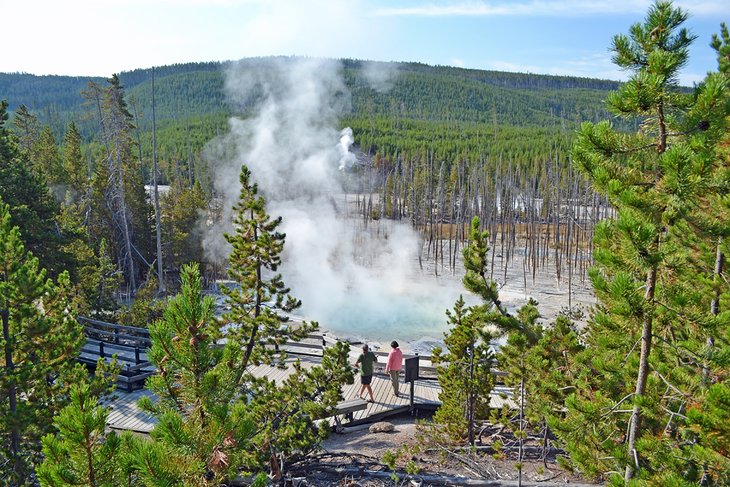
(125,415)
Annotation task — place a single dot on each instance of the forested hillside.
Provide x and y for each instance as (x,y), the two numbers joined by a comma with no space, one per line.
(413,91)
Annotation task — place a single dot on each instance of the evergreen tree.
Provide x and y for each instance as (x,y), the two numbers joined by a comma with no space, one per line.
(74,165)
(81,453)
(40,340)
(146,307)
(540,371)
(32,207)
(181,209)
(644,327)
(46,159)
(285,415)
(260,303)
(466,378)
(99,281)
(26,128)
(203,429)
(124,214)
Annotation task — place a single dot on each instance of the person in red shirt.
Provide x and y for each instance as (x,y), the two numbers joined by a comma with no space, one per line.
(395,362)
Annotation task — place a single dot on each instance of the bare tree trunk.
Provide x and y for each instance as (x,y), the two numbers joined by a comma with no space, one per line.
(123,212)
(635,421)
(158,229)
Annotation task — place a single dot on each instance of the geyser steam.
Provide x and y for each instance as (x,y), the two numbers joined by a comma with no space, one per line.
(354,280)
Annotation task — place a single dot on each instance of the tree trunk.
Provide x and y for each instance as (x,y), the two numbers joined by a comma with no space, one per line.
(123,213)
(158,230)
(714,306)
(12,397)
(635,421)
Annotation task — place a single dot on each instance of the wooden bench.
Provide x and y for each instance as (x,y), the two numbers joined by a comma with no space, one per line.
(347,409)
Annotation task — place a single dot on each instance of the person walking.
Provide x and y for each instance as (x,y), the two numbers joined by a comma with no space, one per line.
(395,363)
(366,361)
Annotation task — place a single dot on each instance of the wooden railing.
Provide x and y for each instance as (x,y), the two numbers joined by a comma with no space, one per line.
(128,344)
(316,343)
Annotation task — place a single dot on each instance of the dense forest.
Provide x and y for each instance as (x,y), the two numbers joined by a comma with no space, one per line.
(625,185)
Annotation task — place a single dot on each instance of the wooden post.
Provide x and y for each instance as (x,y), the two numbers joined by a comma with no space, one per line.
(136,356)
(101,349)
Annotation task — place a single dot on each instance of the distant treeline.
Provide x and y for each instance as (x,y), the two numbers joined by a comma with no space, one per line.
(418,91)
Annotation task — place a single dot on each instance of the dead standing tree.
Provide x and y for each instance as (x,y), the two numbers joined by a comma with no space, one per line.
(115,129)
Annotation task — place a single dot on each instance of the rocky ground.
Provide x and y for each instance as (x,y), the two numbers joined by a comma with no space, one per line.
(358,457)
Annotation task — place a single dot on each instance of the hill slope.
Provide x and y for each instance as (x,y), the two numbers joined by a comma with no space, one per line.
(416,91)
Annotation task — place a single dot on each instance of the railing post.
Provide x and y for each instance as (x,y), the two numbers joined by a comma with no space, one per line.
(101,349)
(136,356)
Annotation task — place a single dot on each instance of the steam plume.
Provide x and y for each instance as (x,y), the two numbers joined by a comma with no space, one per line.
(354,279)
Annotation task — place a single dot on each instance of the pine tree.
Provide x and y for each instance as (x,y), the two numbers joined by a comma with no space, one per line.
(40,340)
(32,206)
(74,165)
(181,208)
(26,128)
(46,159)
(123,213)
(260,303)
(465,378)
(653,179)
(80,453)
(285,415)
(203,429)
(540,371)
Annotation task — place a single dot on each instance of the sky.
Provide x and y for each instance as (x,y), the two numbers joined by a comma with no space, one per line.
(566,37)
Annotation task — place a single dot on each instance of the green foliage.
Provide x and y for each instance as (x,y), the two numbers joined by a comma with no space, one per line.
(466,378)
(215,418)
(285,415)
(203,430)
(181,208)
(653,342)
(98,282)
(259,304)
(147,306)
(32,207)
(118,209)
(80,453)
(46,160)
(40,340)
(74,165)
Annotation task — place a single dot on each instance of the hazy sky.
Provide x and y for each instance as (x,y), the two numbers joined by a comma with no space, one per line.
(102,37)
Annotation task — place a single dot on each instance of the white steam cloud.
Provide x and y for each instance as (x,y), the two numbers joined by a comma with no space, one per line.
(356,278)
(379,75)
(347,158)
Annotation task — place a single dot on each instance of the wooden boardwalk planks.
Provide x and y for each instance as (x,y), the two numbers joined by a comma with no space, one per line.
(125,415)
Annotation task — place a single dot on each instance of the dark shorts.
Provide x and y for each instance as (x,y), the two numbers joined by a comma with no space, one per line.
(365,379)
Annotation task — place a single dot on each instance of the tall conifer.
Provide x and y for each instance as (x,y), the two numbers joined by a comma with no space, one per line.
(630,396)
(40,341)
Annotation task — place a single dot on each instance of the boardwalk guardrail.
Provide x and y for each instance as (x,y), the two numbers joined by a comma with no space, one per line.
(128,344)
